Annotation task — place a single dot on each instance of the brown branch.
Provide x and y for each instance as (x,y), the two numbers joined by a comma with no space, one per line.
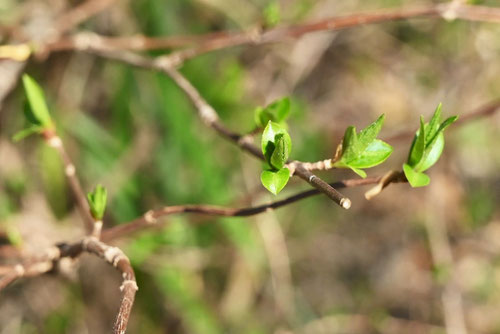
(115,257)
(150,218)
(80,13)
(111,255)
(55,142)
(484,110)
(220,40)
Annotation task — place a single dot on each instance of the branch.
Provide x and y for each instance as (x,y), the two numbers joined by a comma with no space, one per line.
(54,141)
(484,110)
(220,40)
(111,255)
(150,218)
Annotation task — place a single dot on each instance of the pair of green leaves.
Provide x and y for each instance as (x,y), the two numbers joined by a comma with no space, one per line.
(363,150)
(426,148)
(276,143)
(276,147)
(97,201)
(36,110)
(277,112)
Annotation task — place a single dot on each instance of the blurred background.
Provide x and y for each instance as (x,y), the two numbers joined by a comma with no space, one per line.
(423,260)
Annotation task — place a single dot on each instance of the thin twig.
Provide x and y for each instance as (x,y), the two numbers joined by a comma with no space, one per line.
(484,110)
(111,255)
(80,13)
(70,171)
(150,218)
(221,40)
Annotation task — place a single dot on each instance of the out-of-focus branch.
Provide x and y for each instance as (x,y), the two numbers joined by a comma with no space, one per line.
(215,41)
(111,255)
(80,13)
(11,70)
(55,142)
(150,218)
(484,110)
(115,257)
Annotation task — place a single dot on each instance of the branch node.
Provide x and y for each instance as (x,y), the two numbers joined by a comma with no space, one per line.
(150,218)
(19,268)
(345,203)
(130,282)
(70,170)
(55,142)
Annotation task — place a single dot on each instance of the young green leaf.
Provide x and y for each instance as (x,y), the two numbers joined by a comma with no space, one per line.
(418,146)
(363,150)
(27,132)
(97,201)
(280,153)
(376,153)
(38,113)
(275,181)
(368,134)
(275,138)
(431,154)
(428,143)
(277,112)
(350,144)
(426,148)
(433,126)
(272,13)
(416,179)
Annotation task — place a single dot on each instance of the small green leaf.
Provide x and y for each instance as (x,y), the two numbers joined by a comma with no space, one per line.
(262,117)
(38,113)
(280,153)
(447,123)
(350,144)
(416,179)
(368,134)
(275,181)
(272,13)
(97,201)
(358,171)
(376,153)
(281,108)
(272,133)
(418,145)
(432,154)
(277,112)
(27,132)
(363,150)
(433,126)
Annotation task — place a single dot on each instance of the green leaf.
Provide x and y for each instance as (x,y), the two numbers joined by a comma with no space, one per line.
(376,153)
(281,152)
(38,113)
(416,179)
(358,171)
(277,112)
(27,132)
(418,145)
(262,117)
(272,133)
(281,108)
(432,154)
(433,126)
(97,201)
(350,144)
(368,135)
(363,150)
(272,13)
(426,152)
(275,181)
